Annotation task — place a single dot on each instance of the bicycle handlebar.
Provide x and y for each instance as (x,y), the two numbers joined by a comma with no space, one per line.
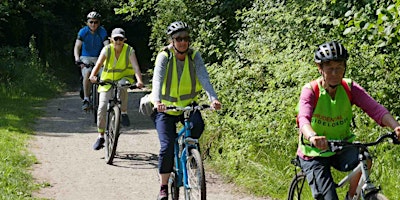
(337,145)
(117,84)
(86,65)
(189,108)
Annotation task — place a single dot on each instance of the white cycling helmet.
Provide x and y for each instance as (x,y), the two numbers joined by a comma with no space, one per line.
(93,15)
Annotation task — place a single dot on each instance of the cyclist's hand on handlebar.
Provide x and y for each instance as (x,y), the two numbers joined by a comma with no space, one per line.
(320,142)
(216,105)
(139,85)
(93,79)
(80,64)
(160,107)
(397,130)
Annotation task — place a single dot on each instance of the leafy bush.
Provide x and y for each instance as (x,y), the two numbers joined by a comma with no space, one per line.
(261,54)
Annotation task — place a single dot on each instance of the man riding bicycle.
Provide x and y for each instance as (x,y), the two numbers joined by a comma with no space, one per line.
(179,76)
(327,115)
(88,45)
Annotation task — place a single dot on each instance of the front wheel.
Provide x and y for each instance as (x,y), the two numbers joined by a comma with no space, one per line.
(299,188)
(196,177)
(112,134)
(173,186)
(94,101)
(375,196)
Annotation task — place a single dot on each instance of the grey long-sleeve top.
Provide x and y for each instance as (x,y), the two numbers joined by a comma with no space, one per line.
(201,72)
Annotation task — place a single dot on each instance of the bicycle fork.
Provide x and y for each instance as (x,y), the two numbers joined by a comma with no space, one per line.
(182,152)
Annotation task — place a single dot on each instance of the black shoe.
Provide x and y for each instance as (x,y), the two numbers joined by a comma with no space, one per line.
(85,105)
(125,120)
(163,195)
(99,144)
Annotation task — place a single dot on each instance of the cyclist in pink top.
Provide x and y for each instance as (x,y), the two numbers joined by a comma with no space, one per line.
(330,118)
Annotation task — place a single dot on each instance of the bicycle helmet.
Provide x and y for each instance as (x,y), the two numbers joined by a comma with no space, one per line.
(177,26)
(330,51)
(93,15)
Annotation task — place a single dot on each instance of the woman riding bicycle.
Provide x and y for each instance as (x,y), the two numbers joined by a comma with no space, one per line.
(179,76)
(120,64)
(329,119)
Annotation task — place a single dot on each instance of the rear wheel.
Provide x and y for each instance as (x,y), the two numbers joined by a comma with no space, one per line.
(299,188)
(112,134)
(196,177)
(375,196)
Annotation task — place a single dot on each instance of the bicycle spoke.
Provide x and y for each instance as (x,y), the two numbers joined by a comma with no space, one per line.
(196,178)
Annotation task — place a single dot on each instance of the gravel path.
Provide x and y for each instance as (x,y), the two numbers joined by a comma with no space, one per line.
(63,146)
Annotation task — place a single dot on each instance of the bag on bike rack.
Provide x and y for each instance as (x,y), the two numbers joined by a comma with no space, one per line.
(146,106)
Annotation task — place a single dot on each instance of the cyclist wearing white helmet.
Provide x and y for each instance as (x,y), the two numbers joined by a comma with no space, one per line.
(177,89)
(91,39)
(325,113)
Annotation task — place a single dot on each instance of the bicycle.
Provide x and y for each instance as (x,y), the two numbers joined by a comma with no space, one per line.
(299,188)
(94,95)
(113,118)
(188,165)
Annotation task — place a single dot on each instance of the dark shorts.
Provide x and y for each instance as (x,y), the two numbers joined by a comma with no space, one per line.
(318,171)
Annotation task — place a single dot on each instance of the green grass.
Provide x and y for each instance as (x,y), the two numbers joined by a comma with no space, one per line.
(25,83)
(16,119)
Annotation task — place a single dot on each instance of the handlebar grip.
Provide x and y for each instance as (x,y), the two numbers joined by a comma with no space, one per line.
(204,106)
(133,87)
(395,138)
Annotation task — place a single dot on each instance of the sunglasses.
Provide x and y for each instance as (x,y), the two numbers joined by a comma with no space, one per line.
(94,22)
(180,39)
(118,38)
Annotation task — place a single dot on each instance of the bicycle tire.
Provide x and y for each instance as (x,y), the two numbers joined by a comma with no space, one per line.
(376,196)
(112,134)
(196,177)
(299,188)
(94,102)
(173,186)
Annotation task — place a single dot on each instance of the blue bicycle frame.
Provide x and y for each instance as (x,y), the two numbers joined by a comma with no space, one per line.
(181,154)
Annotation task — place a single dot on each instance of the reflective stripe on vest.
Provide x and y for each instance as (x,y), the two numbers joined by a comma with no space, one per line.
(176,92)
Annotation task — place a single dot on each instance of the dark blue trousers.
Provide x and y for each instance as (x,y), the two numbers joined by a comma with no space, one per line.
(167,133)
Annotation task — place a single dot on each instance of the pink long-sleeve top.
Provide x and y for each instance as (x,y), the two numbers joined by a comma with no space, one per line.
(360,98)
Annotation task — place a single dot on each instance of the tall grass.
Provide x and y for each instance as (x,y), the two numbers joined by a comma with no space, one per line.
(24,85)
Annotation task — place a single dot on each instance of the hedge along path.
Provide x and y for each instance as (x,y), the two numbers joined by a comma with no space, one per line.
(66,162)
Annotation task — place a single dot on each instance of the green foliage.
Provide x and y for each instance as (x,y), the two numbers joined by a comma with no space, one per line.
(260,83)
(260,54)
(23,85)
(22,73)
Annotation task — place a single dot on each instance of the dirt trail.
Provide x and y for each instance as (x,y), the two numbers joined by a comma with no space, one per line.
(63,147)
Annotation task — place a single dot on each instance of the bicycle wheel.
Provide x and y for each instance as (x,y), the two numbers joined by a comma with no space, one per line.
(196,177)
(299,188)
(112,134)
(173,186)
(94,101)
(375,196)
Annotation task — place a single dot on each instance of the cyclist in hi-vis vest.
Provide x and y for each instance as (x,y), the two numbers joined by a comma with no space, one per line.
(330,119)
(179,76)
(120,64)
(91,39)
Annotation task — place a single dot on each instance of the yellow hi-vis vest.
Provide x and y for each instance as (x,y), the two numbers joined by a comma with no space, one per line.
(184,92)
(114,69)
